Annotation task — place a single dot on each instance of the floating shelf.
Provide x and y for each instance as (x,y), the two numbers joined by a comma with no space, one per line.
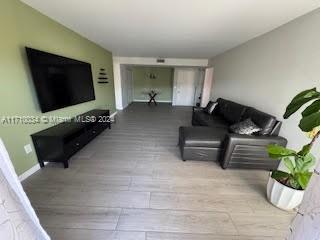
(102,76)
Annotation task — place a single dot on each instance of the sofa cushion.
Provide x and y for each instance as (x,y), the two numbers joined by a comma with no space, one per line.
(231,111)
(246,127)
(205,119)
(217,121)
(202,136)
(210,107)
(265,121)
(202,118)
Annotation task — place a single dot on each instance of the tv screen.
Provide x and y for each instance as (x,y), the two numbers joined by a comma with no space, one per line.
(59,81)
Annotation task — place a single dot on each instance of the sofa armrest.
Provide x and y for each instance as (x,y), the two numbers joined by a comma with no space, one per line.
(248,146)
(197,109)
(233,138)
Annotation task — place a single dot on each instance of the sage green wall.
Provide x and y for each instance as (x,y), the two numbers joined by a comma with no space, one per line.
(23,26)
(162,84)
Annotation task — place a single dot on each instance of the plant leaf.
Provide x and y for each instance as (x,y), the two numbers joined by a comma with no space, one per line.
(300,100)
(303,179)
(309,157)
(288,163)
(308,161)
(312,108)
(310,122)
(299,164)
(294,183)
(276,151)
(279,175)
(305,150)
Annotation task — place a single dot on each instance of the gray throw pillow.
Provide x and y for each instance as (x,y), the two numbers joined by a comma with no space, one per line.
(246,127)
(210,107)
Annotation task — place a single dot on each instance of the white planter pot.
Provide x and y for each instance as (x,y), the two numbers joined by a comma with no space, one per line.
(282,196)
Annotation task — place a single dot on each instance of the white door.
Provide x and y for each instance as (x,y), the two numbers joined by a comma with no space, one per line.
(185,80)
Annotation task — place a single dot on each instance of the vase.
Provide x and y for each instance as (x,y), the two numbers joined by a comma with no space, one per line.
(283,197)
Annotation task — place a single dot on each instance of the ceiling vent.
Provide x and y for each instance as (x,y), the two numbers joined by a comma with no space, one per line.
(160,60)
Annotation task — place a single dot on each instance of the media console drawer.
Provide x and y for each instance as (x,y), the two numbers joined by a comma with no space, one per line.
(60,142)
(73,146)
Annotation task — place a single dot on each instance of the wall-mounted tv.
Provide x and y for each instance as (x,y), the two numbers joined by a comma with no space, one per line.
(60,81)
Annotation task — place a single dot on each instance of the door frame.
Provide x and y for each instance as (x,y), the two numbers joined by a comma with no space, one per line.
(129,85)
(125,71)
(174,87)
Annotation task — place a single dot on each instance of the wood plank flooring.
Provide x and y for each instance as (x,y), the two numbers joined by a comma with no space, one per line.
(130,184)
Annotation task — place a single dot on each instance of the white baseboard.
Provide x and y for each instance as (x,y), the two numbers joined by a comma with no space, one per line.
(112,116)
(29,172)
(144,100)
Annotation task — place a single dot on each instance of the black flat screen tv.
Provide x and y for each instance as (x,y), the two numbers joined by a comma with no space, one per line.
(59,81)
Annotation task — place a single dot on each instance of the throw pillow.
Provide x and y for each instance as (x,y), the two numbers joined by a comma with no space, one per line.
(246,127)
(210,107)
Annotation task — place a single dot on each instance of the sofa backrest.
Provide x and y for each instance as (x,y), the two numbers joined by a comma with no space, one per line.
(230,111)
(265,121)
(235,112)
(276,129)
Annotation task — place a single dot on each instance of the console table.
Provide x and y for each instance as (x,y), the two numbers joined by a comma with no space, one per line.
(60,142)
(152,97)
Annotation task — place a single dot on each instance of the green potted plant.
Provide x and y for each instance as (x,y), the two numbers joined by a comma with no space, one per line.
(286,188)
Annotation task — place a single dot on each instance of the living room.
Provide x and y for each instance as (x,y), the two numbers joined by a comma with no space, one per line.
(84,156)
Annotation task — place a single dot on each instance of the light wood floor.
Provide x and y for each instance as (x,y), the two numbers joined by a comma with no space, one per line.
(130,184)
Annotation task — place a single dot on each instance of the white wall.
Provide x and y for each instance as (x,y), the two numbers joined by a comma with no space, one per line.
(268,71)
(124,86)
(118,61)
(199,86)
(117,84)
(207,87)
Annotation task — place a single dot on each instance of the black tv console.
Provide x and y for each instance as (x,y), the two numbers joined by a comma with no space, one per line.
(60,142)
